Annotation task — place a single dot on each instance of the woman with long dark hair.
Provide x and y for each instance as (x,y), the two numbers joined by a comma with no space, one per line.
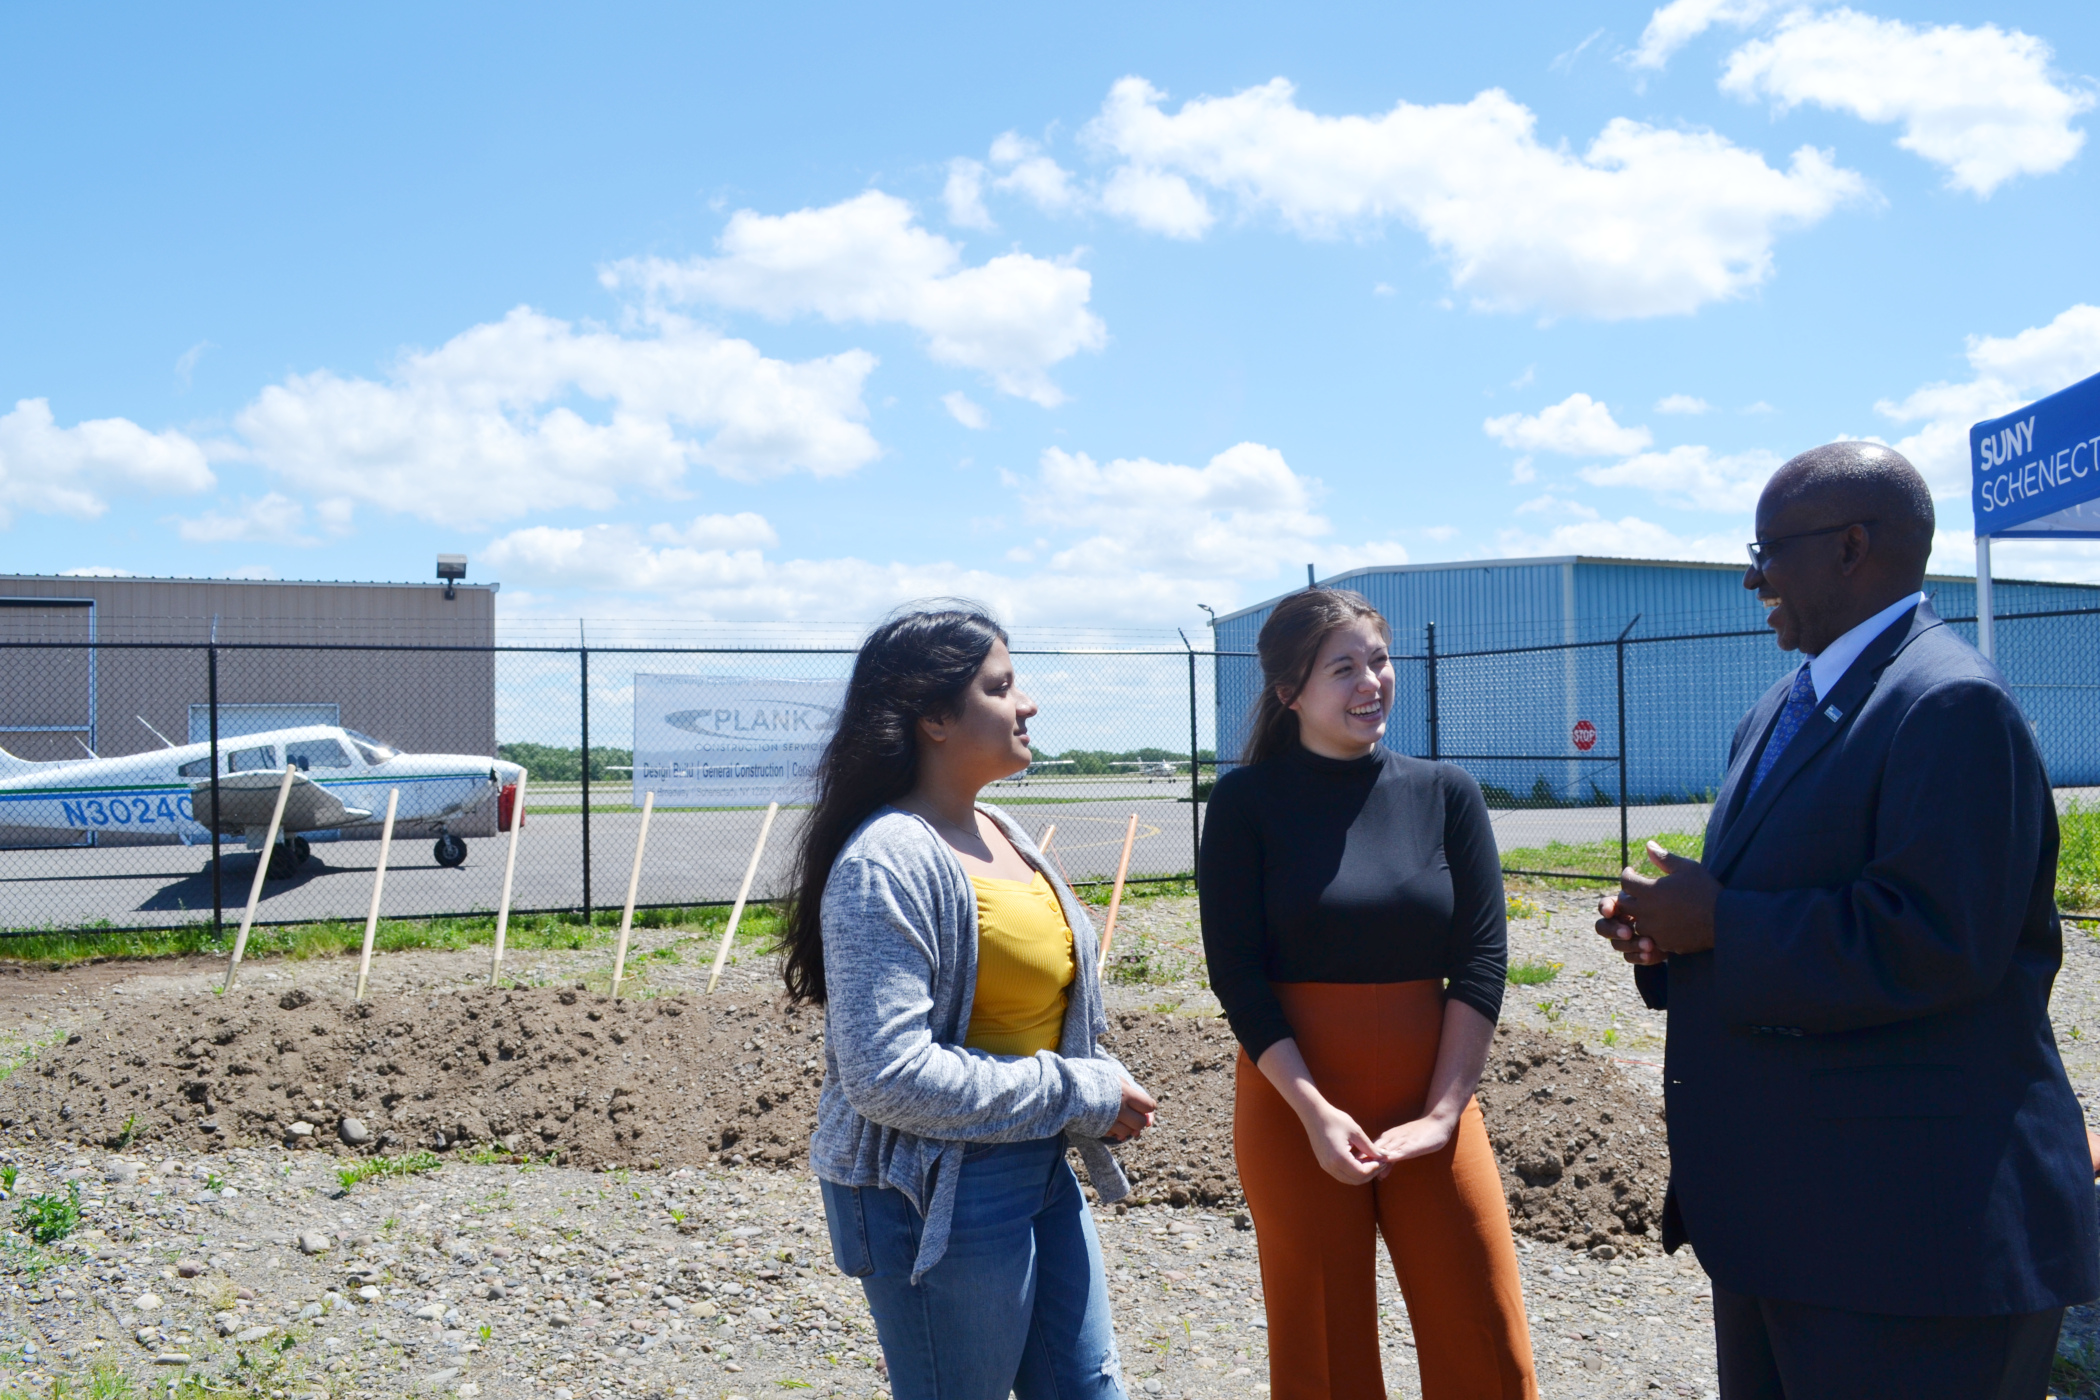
(1353,921)
(962,1011)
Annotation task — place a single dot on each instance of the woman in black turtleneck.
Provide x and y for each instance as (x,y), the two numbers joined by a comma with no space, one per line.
(1353,922)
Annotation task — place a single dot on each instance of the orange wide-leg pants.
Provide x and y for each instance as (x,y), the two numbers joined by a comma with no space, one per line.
(1371,1048)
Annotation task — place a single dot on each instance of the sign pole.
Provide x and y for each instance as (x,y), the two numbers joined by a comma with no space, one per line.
(386,844)
(1115,901)
(736,914)
(510,868)
(1986,640)
(634,883)
(262,869)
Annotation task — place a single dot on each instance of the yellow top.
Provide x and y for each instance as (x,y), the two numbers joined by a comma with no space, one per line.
(1024,965)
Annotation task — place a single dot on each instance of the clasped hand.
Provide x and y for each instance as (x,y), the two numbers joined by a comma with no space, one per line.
(1649,920)
(1348,1154)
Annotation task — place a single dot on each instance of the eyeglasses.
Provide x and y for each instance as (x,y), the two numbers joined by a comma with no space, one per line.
(1761,551)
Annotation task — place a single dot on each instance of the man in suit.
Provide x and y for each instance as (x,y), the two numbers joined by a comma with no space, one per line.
(1873,1145)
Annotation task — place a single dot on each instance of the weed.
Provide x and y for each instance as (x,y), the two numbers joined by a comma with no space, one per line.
(2075,1033)
(1532,974)
(1611,1032)
(371,1167)
(2075,1372)
(793,1385)
(214,1182)
(1552,1008)
(1518,907)
(7,1177)
(486,1333)
(130,1130)
(1582,864)
(47,1219)
(490,1156)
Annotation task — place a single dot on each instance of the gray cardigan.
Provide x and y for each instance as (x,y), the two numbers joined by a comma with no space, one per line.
(902,1096)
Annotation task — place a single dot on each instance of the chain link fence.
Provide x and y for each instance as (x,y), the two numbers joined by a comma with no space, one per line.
(108,781)
(1582,750)
(1585,750)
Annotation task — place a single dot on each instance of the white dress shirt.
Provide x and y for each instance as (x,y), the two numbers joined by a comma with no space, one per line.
(1828,666)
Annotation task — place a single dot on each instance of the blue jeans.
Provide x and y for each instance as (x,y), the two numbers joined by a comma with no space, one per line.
(1018,1303)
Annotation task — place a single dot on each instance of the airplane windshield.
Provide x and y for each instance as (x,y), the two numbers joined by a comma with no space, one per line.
(369,749)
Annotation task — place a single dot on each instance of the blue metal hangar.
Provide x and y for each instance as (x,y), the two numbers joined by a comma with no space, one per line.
(1530,672)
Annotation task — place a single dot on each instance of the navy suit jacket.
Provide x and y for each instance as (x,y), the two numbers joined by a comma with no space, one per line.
(1866,1107)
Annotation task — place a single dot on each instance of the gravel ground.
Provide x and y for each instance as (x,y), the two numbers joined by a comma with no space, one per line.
(253,1266)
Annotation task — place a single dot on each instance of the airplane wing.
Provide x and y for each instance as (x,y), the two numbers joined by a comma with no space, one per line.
(247,799)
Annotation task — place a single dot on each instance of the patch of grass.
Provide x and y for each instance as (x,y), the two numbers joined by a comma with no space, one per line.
(375,1167)
(56,947)
(1100,892)
(2078,859)
(1599,859)
(1532,974)
(1516,906)
(49,1218)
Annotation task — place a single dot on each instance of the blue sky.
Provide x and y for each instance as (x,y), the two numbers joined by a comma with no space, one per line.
(789,314)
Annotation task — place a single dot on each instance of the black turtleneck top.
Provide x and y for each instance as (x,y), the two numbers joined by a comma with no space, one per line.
(1374,869)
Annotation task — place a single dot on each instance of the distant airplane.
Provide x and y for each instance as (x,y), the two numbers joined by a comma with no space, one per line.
(1149,768)
(342,778)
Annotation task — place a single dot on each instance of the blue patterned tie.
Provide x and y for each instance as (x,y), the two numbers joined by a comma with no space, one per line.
(1800,699)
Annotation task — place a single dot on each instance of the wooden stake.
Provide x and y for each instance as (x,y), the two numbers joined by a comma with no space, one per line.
(736,914)
(262,869)
(510,866)
(1049,835)
(634,882)
(386,844)
(1115,901)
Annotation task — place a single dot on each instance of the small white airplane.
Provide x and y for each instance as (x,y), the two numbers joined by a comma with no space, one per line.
(340,779)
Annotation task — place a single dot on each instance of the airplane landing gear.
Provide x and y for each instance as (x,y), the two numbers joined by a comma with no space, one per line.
(449,851)
(287,856)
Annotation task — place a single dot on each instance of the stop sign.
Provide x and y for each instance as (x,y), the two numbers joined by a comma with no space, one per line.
(1585,735)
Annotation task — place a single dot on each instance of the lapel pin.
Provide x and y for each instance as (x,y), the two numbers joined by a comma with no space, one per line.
(1834,714)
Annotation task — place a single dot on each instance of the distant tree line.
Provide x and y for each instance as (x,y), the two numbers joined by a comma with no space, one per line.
(1099,762)
(548,763)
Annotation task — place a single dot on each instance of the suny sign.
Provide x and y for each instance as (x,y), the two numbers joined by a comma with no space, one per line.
(2035,472)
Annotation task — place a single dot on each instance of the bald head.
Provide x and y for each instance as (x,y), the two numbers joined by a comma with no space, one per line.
(1844,531)
(1848,481)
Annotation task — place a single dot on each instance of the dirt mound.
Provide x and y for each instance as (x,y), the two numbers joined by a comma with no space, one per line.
(678,1079)
(538,1070)
(1580,1145)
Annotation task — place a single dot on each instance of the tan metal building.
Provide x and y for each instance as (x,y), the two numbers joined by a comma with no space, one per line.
(109,661)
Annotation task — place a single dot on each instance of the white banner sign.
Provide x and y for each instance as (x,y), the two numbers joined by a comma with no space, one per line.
(711,741)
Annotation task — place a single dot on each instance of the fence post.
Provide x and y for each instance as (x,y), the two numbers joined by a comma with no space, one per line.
(1624,850)
(211,696)
(1433,749)
(583,672)
(1195,776)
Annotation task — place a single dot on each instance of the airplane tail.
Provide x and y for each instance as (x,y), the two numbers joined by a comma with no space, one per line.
(12,767)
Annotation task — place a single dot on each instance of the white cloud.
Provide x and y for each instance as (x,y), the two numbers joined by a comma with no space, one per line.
(1645,222)
(1678,23)
(484,427)
(1628,537)
(744,530)
(1694,477)
(2008,372)
(1157,201)
(1035,176)
(868,260)
(1550,504)
(964,195)
(964,410)
(1238,515)
(1138,540)
(1980,102)
(1577,426)
(270,519)
(186,363)
(74,471)
(1682,403)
